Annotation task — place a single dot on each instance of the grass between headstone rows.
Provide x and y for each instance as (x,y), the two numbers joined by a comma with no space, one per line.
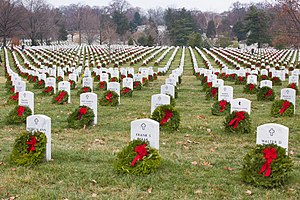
(199,161)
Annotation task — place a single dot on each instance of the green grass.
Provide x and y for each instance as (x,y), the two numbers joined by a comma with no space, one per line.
(82,159)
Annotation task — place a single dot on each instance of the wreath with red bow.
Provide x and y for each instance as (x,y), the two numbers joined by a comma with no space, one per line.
(282,108)
(276,81)
(263,77)
(61,97)
(267,166)
(39,84)
(250,88)
(48,91)
(59,78)
(114,79)
(206,86)
(238,122)
(13,99)
(137,85)
(167,116)
(265,94)
(220,108)
(211,93)
(102,85)
(126,92)
(82,117)
(145,81)
(29,149)
(137,158)
(72,84)
(240,80)
(97,78)
(84,90)
(109,98)
(294,86)
(18,115)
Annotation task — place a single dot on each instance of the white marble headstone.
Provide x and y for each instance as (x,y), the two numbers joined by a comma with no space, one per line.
(168,89)
(273,134)
(89,99)
(146,130)
(294,79)
(289,94)
(225,93)
(266,83)
(252,79)
(158,100)
(87,82)
(171,81)
(41,123)
(128,82)
(115,87)
(66,86)
(241,104)
(26,98)
(217,83)
(51,82)
(20,86)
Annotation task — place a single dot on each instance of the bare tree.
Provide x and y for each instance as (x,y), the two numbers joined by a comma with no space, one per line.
(10,18)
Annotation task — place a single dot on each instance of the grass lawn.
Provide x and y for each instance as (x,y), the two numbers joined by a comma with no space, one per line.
(199,161)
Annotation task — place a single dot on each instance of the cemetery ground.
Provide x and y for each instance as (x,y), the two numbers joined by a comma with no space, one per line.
(199,161)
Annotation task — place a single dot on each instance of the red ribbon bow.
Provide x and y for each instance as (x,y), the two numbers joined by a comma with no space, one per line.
(126,90)
(15,97)
(167,117)
(269,93)
(101,85)
(60,96)
(109,97)
(21,110)
(31,143)
(239,117)
(141,152)
(209,84)
(50,88)
(214,91)
(270,154)
(85,89)
(240,78)
(293,86)
(40,82)
(285,106)
(251,86)
(222,104)
(82,111)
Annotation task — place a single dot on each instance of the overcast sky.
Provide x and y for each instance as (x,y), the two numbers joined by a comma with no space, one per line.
(203,5)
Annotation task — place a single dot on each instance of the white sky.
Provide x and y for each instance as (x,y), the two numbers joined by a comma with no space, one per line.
(203,5)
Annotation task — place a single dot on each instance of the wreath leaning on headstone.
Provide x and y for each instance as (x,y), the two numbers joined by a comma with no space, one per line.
(61,97)
(126,92)
(13,99)
(265,94)
(211,93)
(84,90)
(49,90)
(294,86)
(82,117)
(267,166)
(137,85)
(39,84)
(109,98)
(250,88)
(282,108)
(238,122)
(72,84)
(220,108)
(29,149)
(18,115)
(137,158)
(167,116)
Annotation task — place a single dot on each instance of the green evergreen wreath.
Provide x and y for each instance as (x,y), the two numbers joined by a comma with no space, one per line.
(18,115)
(97,78)
(84,90)
(294,86)
(61,97)
(147,165)
(250,88)
(26,154)
(137,85)
(102,85)
(211,93)
(280,167)
(126,92)
(114,79)
(167,116)
(72,84)
(109,98)
(244,126)
(278,110)
(59,78)
(240,80)
(48,91)
(10,89)
(172,101)
(217,108)
(39,84)
(13,99)
(265,94)
(82,117)
(206,86)
(263,77)
(145,81)
(276,81)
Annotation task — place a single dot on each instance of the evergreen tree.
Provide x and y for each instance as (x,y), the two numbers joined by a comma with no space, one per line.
(256,26)
(62,33)
(211,29)
(121,22)
(239,31)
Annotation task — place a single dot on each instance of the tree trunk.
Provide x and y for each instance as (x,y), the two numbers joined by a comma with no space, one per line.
(79,36)
(4,41)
